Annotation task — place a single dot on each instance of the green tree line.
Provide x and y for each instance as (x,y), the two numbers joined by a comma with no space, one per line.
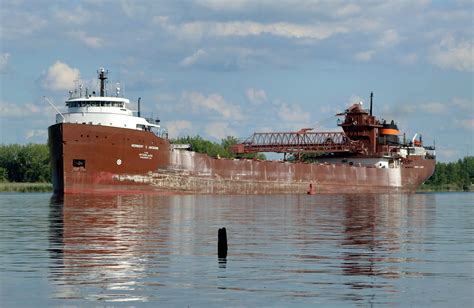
(25,163)
(30,163)
(215,149)
(457,175)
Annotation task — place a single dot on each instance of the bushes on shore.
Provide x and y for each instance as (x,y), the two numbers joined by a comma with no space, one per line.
(25,163)
(453,176)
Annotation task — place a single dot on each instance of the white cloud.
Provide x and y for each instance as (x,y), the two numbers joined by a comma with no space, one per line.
(293,114)
(468,124)
(15,25)
(34,133)
(192,59)
(214,103)
(349,9)
(4,58)
(225,5)
(60,77)
(448,154)
(219,130)
(256,96)
(365,55)
(449,54)
(355,99)
(76,16)
(197,29)
(389,38)
(408,59)
(15,110)
(83,37)
(177,128)
(132,8)
(433,107)
(463,104)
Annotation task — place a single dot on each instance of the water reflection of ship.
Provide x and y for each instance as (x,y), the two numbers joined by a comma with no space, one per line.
(94,242)
(377,229)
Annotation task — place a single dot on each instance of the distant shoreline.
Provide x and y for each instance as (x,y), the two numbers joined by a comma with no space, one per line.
(48,187)
(25,187)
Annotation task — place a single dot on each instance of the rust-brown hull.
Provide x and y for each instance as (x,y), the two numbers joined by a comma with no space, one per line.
(125,160)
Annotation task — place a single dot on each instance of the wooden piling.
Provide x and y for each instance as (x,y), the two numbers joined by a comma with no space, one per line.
(222,243)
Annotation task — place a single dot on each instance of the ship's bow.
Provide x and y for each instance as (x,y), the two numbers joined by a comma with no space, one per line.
(55,143)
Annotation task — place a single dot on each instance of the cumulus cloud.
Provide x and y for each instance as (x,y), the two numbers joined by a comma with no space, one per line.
(88,40)
(219,130)
(463,104)
(15,110)
(355,99)
(212,103)
(132,8)
(348,9)
(4,58)
(433,107)
(467,124)
(225,4)
(75,16)
(178,128)
(408,59)
(293,114)
(256,96)
(365,55)
(18,24)
(197,29)
(60,76)
(387,39)
(449,54)
(35,133)
(192,59)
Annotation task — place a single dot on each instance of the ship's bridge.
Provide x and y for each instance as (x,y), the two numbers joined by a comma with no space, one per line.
(103,110)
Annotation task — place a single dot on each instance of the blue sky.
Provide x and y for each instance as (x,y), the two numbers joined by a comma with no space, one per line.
(233,67)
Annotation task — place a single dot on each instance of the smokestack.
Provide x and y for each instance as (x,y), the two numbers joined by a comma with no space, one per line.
(139,99)
(371,97)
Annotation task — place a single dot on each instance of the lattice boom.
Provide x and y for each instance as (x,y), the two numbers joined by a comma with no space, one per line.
(297,142)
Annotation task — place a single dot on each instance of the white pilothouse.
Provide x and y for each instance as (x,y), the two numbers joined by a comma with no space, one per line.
(90,109)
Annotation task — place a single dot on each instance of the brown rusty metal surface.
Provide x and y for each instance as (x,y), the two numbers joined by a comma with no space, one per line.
(128,160)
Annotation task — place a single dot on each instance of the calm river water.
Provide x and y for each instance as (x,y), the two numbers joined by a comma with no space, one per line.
(136,250)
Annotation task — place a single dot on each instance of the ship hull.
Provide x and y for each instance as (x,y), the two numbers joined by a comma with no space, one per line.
(91,159)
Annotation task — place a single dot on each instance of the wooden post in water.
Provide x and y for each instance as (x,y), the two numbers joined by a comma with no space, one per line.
(222,243)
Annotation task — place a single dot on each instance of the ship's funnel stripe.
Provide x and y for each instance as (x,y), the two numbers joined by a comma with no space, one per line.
(389,131)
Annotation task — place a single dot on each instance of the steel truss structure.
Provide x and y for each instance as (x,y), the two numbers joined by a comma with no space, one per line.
(298,142)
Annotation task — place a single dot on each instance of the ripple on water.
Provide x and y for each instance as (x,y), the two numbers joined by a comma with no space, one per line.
(330,249)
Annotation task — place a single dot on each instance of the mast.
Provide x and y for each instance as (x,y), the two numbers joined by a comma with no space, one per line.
(139,99)
(371,97)
(102,77)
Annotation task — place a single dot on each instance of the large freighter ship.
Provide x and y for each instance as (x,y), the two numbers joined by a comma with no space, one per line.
(100,145)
